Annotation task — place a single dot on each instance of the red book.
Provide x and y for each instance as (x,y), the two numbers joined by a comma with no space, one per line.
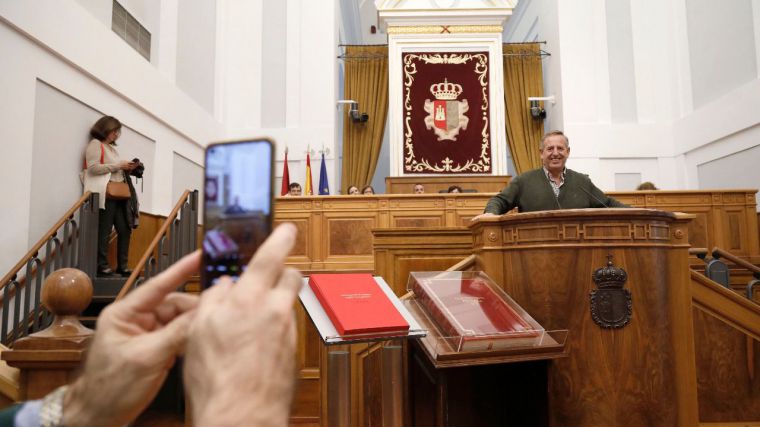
(356,304)
(472,313)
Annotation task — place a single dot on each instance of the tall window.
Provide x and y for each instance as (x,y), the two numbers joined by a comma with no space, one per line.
(127,27)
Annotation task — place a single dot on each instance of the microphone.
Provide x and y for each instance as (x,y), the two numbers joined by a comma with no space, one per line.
(594,197)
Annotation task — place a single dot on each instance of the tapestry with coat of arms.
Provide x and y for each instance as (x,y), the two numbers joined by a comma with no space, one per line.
(446,113)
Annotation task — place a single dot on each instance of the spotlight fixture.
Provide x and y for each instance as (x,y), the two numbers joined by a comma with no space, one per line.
(536,111)
(353,111)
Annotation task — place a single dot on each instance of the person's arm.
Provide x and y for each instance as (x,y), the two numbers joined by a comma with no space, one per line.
(240,368)
(92,156)
(506,200)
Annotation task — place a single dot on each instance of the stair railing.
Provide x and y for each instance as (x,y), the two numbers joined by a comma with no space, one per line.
(176,238)
(71,242)
(718,253)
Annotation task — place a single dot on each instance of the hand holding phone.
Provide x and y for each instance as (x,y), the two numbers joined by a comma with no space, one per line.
(237,206)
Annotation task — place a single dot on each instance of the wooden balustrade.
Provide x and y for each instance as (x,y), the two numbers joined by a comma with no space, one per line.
(50,358)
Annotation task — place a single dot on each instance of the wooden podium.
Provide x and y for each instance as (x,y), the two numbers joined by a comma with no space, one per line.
(640,374)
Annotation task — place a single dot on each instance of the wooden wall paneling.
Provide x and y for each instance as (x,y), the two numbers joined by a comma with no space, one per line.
(347,241)
(726,360)
(304,251)
(399,251)
(307,398)
(433,184)
(139,241)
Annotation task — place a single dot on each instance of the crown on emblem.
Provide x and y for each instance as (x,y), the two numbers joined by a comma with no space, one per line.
(609,276)
(445,90)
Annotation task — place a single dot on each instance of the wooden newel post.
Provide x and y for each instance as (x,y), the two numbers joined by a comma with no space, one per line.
(51,357)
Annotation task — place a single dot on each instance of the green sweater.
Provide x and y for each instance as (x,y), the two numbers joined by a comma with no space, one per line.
(531,191)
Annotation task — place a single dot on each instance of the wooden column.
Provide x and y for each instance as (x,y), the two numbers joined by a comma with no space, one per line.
(50,358)
(641,374)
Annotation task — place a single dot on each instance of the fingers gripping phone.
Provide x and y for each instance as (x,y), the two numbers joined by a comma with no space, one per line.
(237,215)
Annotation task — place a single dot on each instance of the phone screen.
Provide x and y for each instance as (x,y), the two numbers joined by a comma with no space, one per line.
(237,206)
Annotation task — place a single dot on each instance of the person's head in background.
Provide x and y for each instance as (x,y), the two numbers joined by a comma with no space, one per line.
(295,189)
(646,186)
(353,190)
(107,129)
(368,190)
(419,189)
(454,189)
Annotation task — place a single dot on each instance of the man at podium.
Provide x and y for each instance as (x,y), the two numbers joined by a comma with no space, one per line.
(550,187)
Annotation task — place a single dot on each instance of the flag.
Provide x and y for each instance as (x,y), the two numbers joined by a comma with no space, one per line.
(285,176)
(307,191)
(324,186)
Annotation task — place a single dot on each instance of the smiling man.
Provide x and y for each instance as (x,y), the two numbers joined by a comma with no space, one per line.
(550,187)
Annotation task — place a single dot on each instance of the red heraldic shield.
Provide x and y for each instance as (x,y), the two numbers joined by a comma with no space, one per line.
(439,114)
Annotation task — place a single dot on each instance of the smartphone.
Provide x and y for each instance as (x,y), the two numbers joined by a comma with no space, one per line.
(237,214)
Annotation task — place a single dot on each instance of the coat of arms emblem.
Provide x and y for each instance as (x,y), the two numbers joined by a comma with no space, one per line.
(611,304)
(446,116)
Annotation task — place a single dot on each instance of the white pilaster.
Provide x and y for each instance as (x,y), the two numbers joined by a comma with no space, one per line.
(484,19)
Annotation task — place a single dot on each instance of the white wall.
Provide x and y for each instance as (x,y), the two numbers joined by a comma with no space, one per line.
(62,44)
(721,47)
(537,21)
(196,50)
(310,81)
(646,87)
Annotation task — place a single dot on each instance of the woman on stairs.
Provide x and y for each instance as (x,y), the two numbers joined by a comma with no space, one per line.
(106,174)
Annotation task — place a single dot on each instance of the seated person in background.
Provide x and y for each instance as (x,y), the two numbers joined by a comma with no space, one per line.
(353,190)
(550,187)
(646,186)
(368,190)
(419,189)
(454,189)
(295,189)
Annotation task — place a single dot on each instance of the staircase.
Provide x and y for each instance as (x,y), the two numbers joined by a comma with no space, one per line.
(72,242)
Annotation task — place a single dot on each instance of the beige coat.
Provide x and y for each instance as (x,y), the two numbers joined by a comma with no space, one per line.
(95,178)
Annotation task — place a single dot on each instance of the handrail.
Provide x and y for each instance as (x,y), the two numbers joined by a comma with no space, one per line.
(726,305)
(160,235)
(37,246)
(736,260)
(463,264)
(70,242)
(700,253)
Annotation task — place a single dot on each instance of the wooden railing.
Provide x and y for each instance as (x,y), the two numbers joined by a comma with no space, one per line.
(726,305)
(176,238)
(70,242)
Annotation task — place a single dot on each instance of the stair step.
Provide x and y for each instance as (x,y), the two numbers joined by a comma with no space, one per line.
(108,286)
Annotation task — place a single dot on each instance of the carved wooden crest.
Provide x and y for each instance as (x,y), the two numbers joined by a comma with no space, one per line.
(611,305)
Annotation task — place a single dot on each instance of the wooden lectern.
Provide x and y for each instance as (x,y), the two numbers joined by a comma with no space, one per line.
(634,368)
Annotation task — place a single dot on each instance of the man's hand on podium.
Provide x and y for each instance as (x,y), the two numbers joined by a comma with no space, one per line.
(483,215)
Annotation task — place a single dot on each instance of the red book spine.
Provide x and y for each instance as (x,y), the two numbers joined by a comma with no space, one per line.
(327,307)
